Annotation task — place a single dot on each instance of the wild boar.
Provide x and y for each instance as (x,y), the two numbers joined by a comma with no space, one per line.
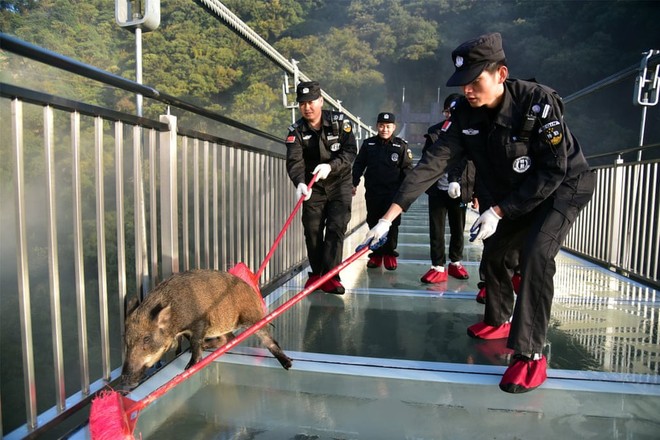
(205,306)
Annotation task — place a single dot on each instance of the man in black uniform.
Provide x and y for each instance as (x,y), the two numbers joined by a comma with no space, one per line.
(448,198)
(387,160)
(322,143)
(537,181)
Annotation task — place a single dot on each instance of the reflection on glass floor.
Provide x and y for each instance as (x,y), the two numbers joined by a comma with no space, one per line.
(391,359)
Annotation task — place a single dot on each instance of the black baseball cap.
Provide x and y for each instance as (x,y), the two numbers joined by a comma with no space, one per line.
(308,91)
(450,101)
(386,117)
(471,57)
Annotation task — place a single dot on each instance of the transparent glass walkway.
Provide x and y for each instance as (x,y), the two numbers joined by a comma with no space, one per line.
(391,359)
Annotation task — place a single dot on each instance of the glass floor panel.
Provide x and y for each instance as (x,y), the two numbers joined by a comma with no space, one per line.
(391,359)
(249,400)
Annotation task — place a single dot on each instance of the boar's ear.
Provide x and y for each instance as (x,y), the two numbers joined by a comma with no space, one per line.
(130,305)
(163,317)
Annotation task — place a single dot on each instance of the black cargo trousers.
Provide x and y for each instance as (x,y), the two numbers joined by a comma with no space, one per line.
(325,217)
(539,235)
(377,206)
(441,208)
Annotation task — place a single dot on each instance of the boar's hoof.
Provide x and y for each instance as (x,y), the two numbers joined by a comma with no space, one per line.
(286,362)
(190,364)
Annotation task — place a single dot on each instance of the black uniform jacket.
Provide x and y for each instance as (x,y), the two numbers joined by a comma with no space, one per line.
(463,172)
(334,144)
(517,174)
(386,162)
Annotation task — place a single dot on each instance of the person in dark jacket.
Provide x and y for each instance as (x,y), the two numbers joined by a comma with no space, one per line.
(322,143)
(537,181)
(448,199)
(386,159)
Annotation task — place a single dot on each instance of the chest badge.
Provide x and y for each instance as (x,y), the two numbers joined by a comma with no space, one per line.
(522,164)
(335,146)
(395,157)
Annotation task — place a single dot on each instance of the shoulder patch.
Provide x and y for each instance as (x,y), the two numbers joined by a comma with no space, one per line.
(552,132)
(347,126)
(290,139)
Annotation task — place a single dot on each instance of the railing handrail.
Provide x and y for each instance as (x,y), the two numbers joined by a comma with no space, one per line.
(610,80)
(625,151)
(234,23)
(28,50)
(40,98)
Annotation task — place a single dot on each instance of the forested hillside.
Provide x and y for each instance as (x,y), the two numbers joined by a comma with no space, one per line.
(364,52)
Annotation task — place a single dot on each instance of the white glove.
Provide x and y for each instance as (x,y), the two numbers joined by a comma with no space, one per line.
(376,234)
(454,190)
(302,190)
(485,225)
(322,170)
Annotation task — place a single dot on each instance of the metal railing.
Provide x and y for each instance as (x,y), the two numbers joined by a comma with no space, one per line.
(620,227)
(103,205)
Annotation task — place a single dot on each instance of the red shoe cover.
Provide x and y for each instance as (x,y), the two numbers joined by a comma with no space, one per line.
(482,330)
(375,261)
(458,271)
(524,375)
(481,296)
(390,262)
(515,280)
(333,286)
(434,276)
(311,280)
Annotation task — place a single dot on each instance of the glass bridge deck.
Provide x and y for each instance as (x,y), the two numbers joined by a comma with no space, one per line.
(391,359)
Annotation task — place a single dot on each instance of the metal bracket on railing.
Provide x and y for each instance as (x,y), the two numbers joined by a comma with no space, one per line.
(647,84)
(290,88)
(646,91)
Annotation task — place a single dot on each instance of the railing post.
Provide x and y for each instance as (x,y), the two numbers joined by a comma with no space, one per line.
(168,197)
(616,211)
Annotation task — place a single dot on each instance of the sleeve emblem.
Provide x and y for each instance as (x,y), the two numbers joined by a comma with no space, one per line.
(552,132)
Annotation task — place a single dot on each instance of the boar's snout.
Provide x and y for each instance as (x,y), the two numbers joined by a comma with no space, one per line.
(130,378)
